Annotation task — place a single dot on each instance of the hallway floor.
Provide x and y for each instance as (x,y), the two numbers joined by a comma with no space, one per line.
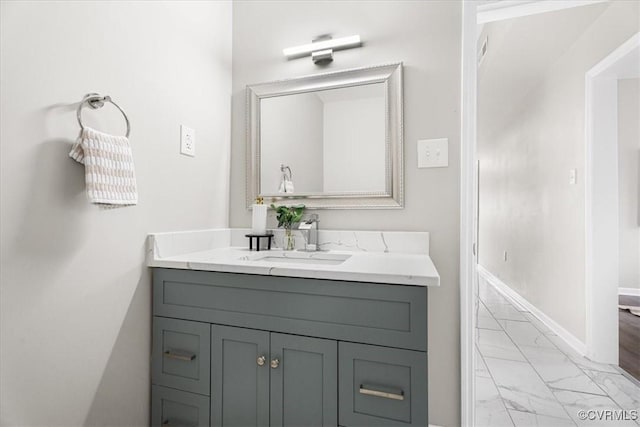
(528,376)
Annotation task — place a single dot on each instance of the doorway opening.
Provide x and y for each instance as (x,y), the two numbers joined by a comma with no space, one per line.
(609,236)
(593,374)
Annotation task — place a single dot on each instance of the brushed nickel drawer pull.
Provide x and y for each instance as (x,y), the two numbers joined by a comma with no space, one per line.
(261,360)
(275,363)
(179,355)
(167,423)
(378,393)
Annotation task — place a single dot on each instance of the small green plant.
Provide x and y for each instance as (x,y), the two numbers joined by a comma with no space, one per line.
(288,215)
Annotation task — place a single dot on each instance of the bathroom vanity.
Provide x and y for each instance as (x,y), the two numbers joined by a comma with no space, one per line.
(242,339)
(296,338)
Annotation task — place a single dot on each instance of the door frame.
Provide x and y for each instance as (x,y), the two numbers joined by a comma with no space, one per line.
(601,202)
(468,277)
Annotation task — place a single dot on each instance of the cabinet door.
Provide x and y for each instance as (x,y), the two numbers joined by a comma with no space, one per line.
(304,386)
(239,377)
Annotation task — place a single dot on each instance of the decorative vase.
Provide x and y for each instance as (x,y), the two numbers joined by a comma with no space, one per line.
(289,240)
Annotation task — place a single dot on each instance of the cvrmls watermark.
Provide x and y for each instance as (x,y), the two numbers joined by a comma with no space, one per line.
(608,415)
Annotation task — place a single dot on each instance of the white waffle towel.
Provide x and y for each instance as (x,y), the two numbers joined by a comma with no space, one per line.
(108,164)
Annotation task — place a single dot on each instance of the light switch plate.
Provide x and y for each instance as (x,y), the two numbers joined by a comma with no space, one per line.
(433,153)
(187,141)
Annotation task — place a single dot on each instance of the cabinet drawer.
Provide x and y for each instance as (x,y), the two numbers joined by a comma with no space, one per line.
(181,354)
(382,386)
(171,407)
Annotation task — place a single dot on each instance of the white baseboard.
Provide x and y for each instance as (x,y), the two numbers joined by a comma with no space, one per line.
(516,299)
(629,291)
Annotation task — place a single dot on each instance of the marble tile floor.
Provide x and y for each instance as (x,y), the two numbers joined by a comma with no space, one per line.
(528,376)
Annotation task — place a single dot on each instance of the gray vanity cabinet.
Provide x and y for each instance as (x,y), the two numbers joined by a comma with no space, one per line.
(249,350)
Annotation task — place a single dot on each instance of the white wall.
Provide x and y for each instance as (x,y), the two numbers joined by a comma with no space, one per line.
(527,206)
(354,145)
(291,131)
(629,181)
(75,297)
(427,37)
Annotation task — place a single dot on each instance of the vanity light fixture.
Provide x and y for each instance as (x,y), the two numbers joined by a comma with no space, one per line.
(321,49)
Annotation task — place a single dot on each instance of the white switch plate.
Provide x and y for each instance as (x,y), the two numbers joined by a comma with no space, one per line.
(573,176)
(433,153)
(187,141)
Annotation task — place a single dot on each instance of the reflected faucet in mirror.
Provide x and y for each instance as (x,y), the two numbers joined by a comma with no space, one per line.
(286,181)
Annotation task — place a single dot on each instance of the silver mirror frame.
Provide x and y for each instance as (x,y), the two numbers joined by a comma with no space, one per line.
(391,76)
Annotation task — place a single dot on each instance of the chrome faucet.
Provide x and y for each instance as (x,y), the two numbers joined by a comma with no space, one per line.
(309,229)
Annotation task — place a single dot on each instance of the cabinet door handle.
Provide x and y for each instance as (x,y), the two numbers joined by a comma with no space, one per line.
(179,355)
(275,363)
(261,360)
(384,394)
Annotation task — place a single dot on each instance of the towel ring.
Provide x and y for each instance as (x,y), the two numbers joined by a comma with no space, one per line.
(96,101)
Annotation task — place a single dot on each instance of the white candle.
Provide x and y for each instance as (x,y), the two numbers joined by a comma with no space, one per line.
(259,223)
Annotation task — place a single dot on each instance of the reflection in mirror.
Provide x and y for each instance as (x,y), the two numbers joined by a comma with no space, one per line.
(332,141)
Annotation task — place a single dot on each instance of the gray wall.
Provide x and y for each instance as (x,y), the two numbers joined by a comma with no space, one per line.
(629,181)
(527,206)
(75,298)
(427,37)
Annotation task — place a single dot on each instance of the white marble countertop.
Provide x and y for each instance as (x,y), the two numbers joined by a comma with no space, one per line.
(380,257)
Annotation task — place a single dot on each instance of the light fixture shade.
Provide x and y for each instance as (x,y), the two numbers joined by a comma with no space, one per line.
(335,44)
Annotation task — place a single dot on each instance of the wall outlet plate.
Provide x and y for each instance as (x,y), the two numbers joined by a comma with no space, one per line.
(433,153)
(187,141)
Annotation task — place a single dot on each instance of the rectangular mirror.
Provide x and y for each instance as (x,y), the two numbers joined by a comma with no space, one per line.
(330,140)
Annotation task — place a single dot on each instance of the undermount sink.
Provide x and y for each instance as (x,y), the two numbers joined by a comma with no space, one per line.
(301,257)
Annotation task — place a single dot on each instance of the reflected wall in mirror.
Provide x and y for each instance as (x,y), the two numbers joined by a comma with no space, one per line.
(331,140)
